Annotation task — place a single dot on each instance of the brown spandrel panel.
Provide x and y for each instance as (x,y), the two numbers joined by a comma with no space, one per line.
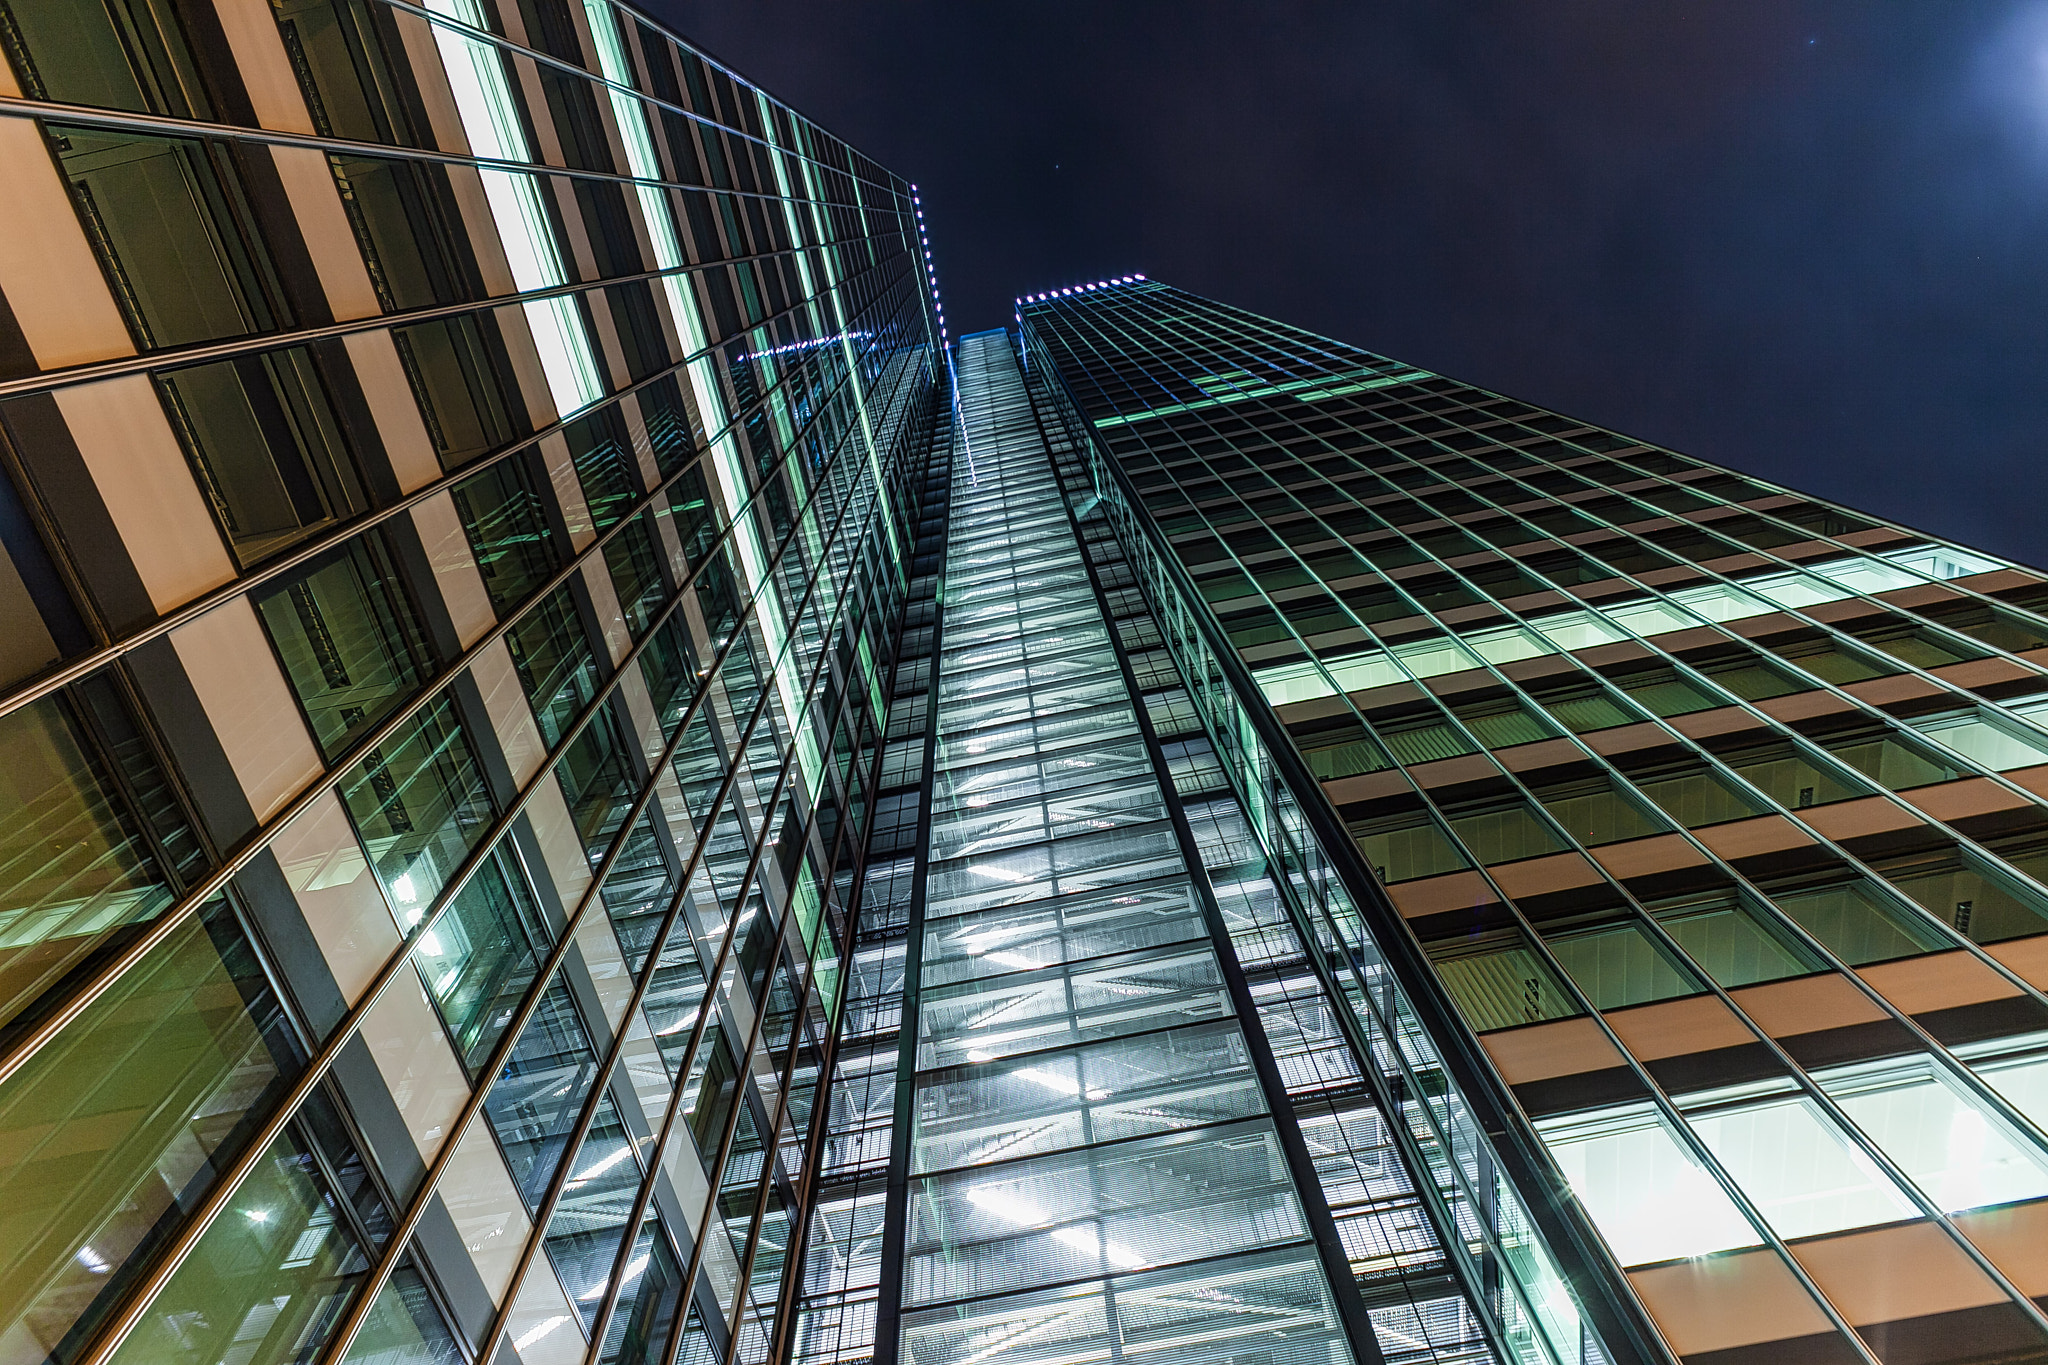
(1441,895)
(1744,840)
(1541,1052)
(1448,774)
(2028,957)
(1655,859)
(1548,753)
(1906,1270)
(1937,981)
(1965,799)
(1974,673)
(1804,706)
(1807,1004)
(1864,818)
(1672,1028)
(1626,739)
(1741,1298)
(1891,691)
(1724,720)
(1533,878)
(2015,1238)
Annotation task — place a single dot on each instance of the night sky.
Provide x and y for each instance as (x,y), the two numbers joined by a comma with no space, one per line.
(1806,240)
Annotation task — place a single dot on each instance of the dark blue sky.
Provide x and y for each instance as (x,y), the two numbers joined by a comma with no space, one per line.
(1808,240)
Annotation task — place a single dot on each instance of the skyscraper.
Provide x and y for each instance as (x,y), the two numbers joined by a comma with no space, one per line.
(580,783)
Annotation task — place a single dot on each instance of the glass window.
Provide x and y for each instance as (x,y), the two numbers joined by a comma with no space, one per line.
(1502,724)
(534,1105)
(404,1327)
(1422,738)
(1667,692)
(696,525)
(268,1278)
(1976,902)
(590,1222)
(1998,745)
(552,655)
(1343,749)
(1499,981)
(457,383)
(1752,679)
(419,804)
(1857,924)
(132,55)
(508,531)
(1586,708)
(344,68)
(408,227)
(636,573)
(1734,944)
(1890,760)
(1504,831)
(1921,646)
(1596,812)
(75,864)
(349,640)
(124,1119)
(604,465)
(480,957)
(1802,1173)
(267,448)
(1793,778)
(1955,1148)
(597,778)
(669,666)
(1404,847)
(174,232)
(1651,1198)
(1831,661)
(1617,965)
(1697,798)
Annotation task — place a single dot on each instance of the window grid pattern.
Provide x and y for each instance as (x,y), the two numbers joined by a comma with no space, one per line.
(1557,684)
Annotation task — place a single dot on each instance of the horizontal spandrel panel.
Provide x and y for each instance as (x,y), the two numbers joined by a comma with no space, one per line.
(1019,1012)
(1179,1197)
(1159,1082)
(1271,1307)
(1062,929)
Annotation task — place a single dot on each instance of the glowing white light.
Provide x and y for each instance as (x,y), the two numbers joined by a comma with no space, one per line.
(257,1215)
(541,1329)
(601,1167)
(403,888)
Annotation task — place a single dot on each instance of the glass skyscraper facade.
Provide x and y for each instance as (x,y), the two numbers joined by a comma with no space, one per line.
(580,784)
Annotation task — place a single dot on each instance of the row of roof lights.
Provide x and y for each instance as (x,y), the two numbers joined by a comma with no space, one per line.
(1082,288)
(931,276)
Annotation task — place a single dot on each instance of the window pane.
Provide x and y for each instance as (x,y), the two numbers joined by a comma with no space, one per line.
(508,531)
(1999,747)
(1855,924)
(419,803)
(267,1280)
(1955,1149)
(1505,833)
(338,51)
(1407,847)
(1699,798)
(168,217)
(1793,779)
(1799,1170)
(1596,813)
(267,448)
(75,867)
(121,1123)
(1498,981)
(1620,965)
(640,1328)
(118,56)
(1733,945)
(535,1103)
(604,465)
(405,223)
(636,574)
(1978,904)
(552,655)
(460,394)
(1650,1198)
(350,640)
(1891,761)
(404,1327)
(480,957)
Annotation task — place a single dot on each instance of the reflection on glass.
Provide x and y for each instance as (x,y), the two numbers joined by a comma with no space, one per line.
(1620,964)
(131,54)
(121,1123)
(349,639)
(404,1327)
(1733,943)
(552,655)
(481,955)
(269,453)
(455,380)
(508,531)
(174,233)
(1651,1198)
(1955,1148)
(534,1105)
(419,804)
(1858,925)
(1801,1172)
(266,1281)
(1499,981)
